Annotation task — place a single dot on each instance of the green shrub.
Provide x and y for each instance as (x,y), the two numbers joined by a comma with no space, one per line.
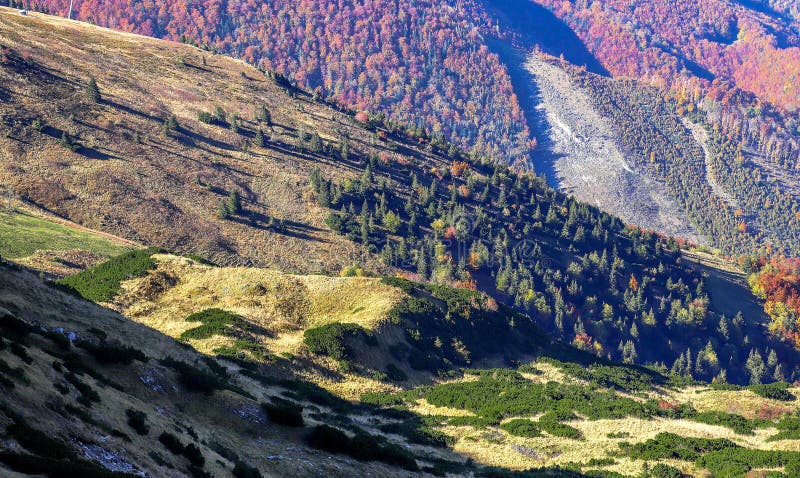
(775,391)
(88,395)
(329,339)
(362,446)
(57,468)
(284,412)
(418,430)
(14,328)
(661,470)
(789,429)
(522,428)
(198,472)
(737,423)
(381,399)
(561,430)
(670,445)
(324,437)
(108,353)
(102,282)
(22,352)
(171,443)
(194,455)
(137,420)
(499,394)
(736,462)
(195,379)
(214,322)
(243,470)
(38,442)
(10,375)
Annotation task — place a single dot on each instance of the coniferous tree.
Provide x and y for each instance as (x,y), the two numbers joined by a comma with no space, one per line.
(92,91)
(263,115)
(235,202)
(259,139)
(756,368)
(170,125)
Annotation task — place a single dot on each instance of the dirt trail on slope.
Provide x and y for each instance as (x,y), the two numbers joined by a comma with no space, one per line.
(701,136)
(578,148)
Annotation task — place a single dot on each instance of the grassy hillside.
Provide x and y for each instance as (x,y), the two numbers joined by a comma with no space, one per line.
(116,170)
(23,233)
(123,396)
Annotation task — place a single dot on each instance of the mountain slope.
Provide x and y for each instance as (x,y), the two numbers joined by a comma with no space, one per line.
(124,397)
(348,195)
(422,64)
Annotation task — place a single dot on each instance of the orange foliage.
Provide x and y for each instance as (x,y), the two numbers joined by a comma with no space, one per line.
(458,168)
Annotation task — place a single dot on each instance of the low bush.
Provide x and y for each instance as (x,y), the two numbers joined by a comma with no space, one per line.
(661,470)
(500,393)
(195,379)
(194,455)
(57,468)
(522,428)
(13,328)
(284,412)
(9,375)
(22,352)
(102,282)
(109,353)
(560,430)
(362,446)
(88,395)
(38,442)
(329,339)
(774,391)
(737,423)
(737,462)
(138,421)
(789,429)
(171,443)
(381,399)
(214,322)
(243,470)
(670,445)
(418,430)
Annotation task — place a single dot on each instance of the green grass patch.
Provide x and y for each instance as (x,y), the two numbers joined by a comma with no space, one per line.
(102,282)
(22,234)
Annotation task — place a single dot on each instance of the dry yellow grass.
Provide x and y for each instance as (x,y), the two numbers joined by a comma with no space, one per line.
(742,402)
(284,305)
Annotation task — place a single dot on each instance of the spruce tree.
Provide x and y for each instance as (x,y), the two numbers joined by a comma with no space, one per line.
(259,139)
(92,91)
(235,202)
